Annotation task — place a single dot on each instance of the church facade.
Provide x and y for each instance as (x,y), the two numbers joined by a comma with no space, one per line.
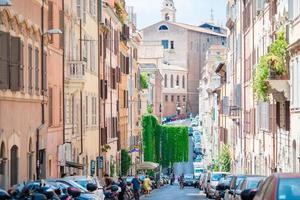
(185,46)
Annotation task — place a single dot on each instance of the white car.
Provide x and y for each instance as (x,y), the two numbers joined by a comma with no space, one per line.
(84,180)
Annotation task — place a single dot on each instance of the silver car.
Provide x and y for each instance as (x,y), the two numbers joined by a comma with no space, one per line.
(213,181)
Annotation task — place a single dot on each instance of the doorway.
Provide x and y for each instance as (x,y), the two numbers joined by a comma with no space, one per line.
(14,165)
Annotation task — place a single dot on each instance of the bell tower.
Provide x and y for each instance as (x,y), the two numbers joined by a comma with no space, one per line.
(168,11)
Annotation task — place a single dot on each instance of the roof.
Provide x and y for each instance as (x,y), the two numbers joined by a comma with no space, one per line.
(189,27)
(172,67)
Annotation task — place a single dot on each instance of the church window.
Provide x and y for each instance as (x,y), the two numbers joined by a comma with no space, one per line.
(163,28)
(167,17)
(165,44)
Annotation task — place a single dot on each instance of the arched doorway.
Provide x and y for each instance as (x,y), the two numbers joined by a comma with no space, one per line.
(14,165)
(29,160)
(2,166)
(294,156)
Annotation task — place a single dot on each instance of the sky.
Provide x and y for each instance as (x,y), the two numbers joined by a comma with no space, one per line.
(188,11)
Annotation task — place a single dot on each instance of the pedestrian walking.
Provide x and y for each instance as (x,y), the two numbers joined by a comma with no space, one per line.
(181,181)
(123,186)
(147,185)
(136,185)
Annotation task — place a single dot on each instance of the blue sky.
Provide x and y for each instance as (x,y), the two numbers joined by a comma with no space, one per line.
(188,11)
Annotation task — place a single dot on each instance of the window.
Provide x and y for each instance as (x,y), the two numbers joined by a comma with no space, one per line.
(92,56)
(94,110)
(165,44)
(36,70)
(125,100)
(92,7)
(167,17)
(86,110)
(178,98)
(172,44)
(50,106)
(172,98)
(166,98)
(50,18)
(294,9)
(172,80)
(183,98)
(79,11)
(30,86)
(177,80)
(183,81)
(60,106)
(166,80)
(163,28)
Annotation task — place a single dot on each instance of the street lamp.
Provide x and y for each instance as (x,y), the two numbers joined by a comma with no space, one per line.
(5,3)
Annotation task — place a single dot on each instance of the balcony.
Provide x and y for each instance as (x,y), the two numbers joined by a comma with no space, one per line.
(75,74)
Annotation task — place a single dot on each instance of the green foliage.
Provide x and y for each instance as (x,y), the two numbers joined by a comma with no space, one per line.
(224,159)
(275,60)
(125,162)
(150,109)
(164,144)
(144,80)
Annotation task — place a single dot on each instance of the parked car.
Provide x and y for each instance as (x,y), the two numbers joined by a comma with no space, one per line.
(250,182)
(65,184)
(189,180)
(85,180)
(212,183)
(222,186)
(235,181)
(281,186)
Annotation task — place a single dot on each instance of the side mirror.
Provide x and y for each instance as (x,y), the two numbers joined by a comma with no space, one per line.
(248,194)
(74,192)
(91,187)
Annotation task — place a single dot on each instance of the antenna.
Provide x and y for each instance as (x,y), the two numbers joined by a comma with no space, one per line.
(212,15)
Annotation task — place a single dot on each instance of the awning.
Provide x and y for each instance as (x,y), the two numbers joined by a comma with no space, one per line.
(147,166)
(74,165)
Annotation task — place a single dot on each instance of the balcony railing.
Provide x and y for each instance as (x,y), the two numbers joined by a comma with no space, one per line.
(76,71)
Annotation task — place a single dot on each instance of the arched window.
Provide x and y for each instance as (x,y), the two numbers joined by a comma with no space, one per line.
(172,81)
(163,28)
(183,81)
(166,80)
(14,166)
(177,80)
(167,17)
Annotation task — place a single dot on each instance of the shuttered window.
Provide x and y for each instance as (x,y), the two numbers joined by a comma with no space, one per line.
(94,110)
(79,9)
(113,78)
(125,99)
(61,106)
(127,65)
(86,110)
(103,136)
(50,106)
(84,8)
(61,27)
(4,60)
(15,64)
(30,69)
(172,81)
(92,55)
(183,82)
(44,85)
(36,70)
(50,19)
(116,42)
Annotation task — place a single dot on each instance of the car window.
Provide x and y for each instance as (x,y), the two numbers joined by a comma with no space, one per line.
(240,186)
(238,181)
(83,183)
(251,184)
(288,188)
(269,189)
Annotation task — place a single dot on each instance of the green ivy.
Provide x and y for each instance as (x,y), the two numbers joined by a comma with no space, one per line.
(144,80)
(275,61)
(164,144)
(125,162)
(223,162)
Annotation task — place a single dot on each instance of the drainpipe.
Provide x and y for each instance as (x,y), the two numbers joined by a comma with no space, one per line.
(63,71)
(43,94)
(81,124)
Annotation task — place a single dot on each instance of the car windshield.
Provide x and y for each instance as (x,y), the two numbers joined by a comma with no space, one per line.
(217,177)
(289,188)
(238,181)
(83,183)
(199,170)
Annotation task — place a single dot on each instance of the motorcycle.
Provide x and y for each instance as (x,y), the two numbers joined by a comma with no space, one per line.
(113,193)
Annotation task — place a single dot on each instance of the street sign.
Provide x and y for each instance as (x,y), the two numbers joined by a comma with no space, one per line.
(100,160)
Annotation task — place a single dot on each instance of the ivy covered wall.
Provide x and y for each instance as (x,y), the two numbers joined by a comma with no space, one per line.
(164,144)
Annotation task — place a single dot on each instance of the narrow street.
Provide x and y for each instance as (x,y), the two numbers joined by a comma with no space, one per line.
(171,192)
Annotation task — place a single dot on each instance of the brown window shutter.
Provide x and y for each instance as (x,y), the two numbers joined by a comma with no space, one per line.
(101,89)
(44,86)
(50,106)
(287,116)
(50,18)
(36,64)
(4,60)
(105,89)
(127,65)
(21,72)
(15,62)
(61,27)
(278,114)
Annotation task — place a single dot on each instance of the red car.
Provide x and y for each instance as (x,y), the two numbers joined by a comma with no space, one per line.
(281,186)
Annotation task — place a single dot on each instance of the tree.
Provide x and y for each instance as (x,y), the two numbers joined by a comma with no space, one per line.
(125,162)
